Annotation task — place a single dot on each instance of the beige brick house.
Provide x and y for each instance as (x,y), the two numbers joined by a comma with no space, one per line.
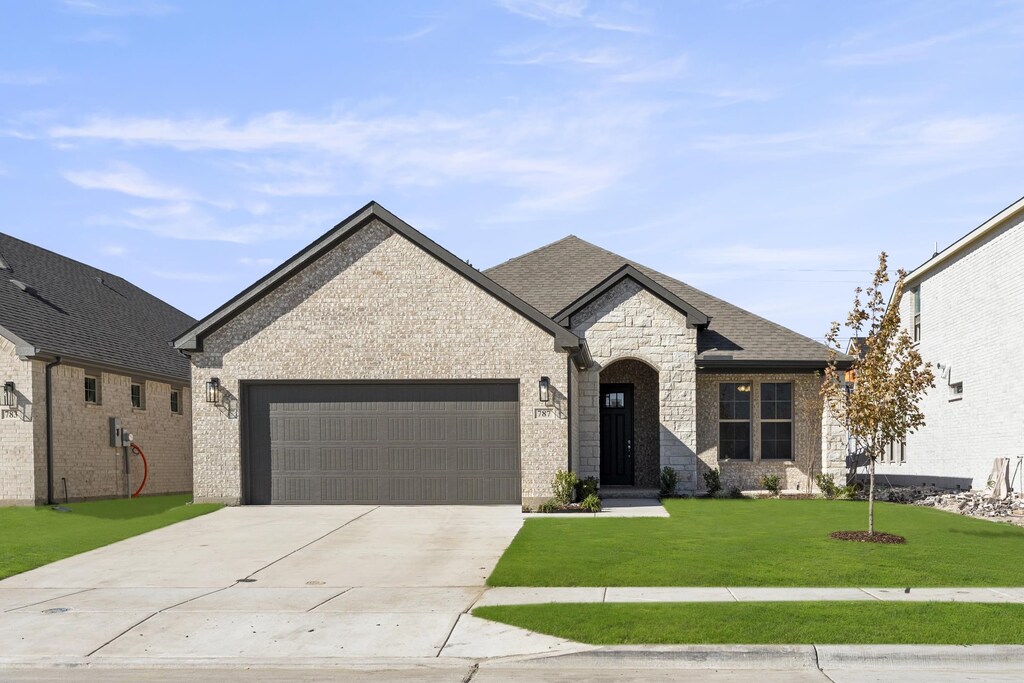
(377,367)
(78,347)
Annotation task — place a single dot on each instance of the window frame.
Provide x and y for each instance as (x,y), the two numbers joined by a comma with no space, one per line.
(762,420)
(142,395)
(175,401)
(916,292)
(95,390)
(749,421)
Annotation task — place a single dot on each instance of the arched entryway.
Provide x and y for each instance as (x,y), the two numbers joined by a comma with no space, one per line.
(630,434)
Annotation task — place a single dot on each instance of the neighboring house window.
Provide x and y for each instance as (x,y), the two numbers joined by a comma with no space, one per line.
(175,401)
(138,396)
(734,420)
(92,390)
(903,451)
(956,391)
(776,421)
(916,292)
(897,450)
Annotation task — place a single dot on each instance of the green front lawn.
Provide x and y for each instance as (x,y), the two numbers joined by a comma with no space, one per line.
(32,537)
(770,623)
(724,542)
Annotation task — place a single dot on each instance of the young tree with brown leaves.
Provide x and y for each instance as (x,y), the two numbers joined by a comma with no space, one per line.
(882,403)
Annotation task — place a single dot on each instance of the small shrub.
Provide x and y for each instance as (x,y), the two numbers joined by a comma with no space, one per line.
(591,503)
(827,485)
(847,492)
(712,481)
(586,487)
(548,506)
(669,480)
(563,487)
(771,483)
(527,508)
(735,492)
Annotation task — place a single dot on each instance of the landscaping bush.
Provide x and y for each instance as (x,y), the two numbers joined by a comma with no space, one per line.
(591,503)
(771,483)
(563,487)
(548,506)
(735,492)
(827,485)
(712,481)
(669,480)
(586,487)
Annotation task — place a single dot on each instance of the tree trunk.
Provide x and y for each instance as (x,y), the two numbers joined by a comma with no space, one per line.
(871,498)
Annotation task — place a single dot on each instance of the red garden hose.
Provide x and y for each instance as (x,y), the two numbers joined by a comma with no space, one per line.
(145,469)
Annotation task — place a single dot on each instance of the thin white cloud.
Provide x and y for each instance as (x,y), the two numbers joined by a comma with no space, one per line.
(113,250)
(910,51)
(26,77)
(119,8)
(743,256)
(101,35)
(128,180)
(546,10)
(249,261)
(654,72)
(190,277)
(412,35)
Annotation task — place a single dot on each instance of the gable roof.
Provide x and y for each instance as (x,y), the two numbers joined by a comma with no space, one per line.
(694,318)
(1014,212)
(51,305)
(192,338)
(555,276)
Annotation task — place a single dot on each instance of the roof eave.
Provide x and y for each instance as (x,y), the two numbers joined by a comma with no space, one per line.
(731,364)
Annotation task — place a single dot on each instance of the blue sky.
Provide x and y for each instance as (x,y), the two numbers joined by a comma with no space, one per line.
(764,151)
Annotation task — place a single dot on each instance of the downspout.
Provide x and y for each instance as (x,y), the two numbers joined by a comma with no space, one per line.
(568,401)
(49,430)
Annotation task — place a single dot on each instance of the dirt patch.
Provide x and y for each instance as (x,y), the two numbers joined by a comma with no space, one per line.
(865,537)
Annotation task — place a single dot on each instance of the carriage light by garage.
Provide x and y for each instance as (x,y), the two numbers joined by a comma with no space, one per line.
(213,391)
(545,390)
(8,397)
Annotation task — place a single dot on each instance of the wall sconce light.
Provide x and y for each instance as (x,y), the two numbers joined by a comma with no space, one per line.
(545,390)
(213,391)
(8,398)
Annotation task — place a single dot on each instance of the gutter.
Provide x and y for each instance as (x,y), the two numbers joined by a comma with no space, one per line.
(49,429)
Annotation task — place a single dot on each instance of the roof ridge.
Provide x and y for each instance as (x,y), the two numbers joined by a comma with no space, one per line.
(534,251)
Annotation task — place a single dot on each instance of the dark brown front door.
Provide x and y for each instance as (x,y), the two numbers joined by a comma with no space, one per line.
(616,434)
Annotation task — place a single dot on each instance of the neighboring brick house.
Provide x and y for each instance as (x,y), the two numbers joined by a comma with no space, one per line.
(965,308)
(102,346)
(376,367)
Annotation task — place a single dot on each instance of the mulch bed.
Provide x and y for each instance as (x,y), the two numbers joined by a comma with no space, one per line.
(865,537)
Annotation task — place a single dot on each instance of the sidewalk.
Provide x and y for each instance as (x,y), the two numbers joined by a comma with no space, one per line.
(532,596)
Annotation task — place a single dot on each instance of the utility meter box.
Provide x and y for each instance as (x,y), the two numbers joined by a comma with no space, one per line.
(116,430)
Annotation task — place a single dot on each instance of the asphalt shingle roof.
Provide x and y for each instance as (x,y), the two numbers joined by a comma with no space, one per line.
(552,277)
(75,310)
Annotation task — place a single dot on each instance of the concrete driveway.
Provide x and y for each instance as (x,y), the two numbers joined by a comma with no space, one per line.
(274,582)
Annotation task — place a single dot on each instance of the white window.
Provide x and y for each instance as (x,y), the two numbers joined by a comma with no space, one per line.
(138,396)
(92,390)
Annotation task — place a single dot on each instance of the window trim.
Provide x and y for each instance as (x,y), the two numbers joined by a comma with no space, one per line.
(749,421)
(96,396)
(142,394)
(762,420)
(174,401)
(916,292)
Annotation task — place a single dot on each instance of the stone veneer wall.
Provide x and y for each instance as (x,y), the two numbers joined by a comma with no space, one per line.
(81,437)
(646,426)
(630,322)
(377,307)
(795,474)
(17,430)
(81,446)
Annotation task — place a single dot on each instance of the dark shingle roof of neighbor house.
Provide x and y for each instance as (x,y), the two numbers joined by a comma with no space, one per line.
(554,276)
(52,305)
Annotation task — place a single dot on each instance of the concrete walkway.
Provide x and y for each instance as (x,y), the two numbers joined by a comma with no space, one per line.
(533,596)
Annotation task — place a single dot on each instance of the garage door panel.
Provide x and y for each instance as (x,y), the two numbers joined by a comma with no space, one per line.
(383,443)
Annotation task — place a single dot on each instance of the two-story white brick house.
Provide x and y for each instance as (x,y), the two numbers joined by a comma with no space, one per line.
(965,308)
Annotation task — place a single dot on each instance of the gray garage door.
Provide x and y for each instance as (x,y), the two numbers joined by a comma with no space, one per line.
(382,443)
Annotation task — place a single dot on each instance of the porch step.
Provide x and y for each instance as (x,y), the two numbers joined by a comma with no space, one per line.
(626,492)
